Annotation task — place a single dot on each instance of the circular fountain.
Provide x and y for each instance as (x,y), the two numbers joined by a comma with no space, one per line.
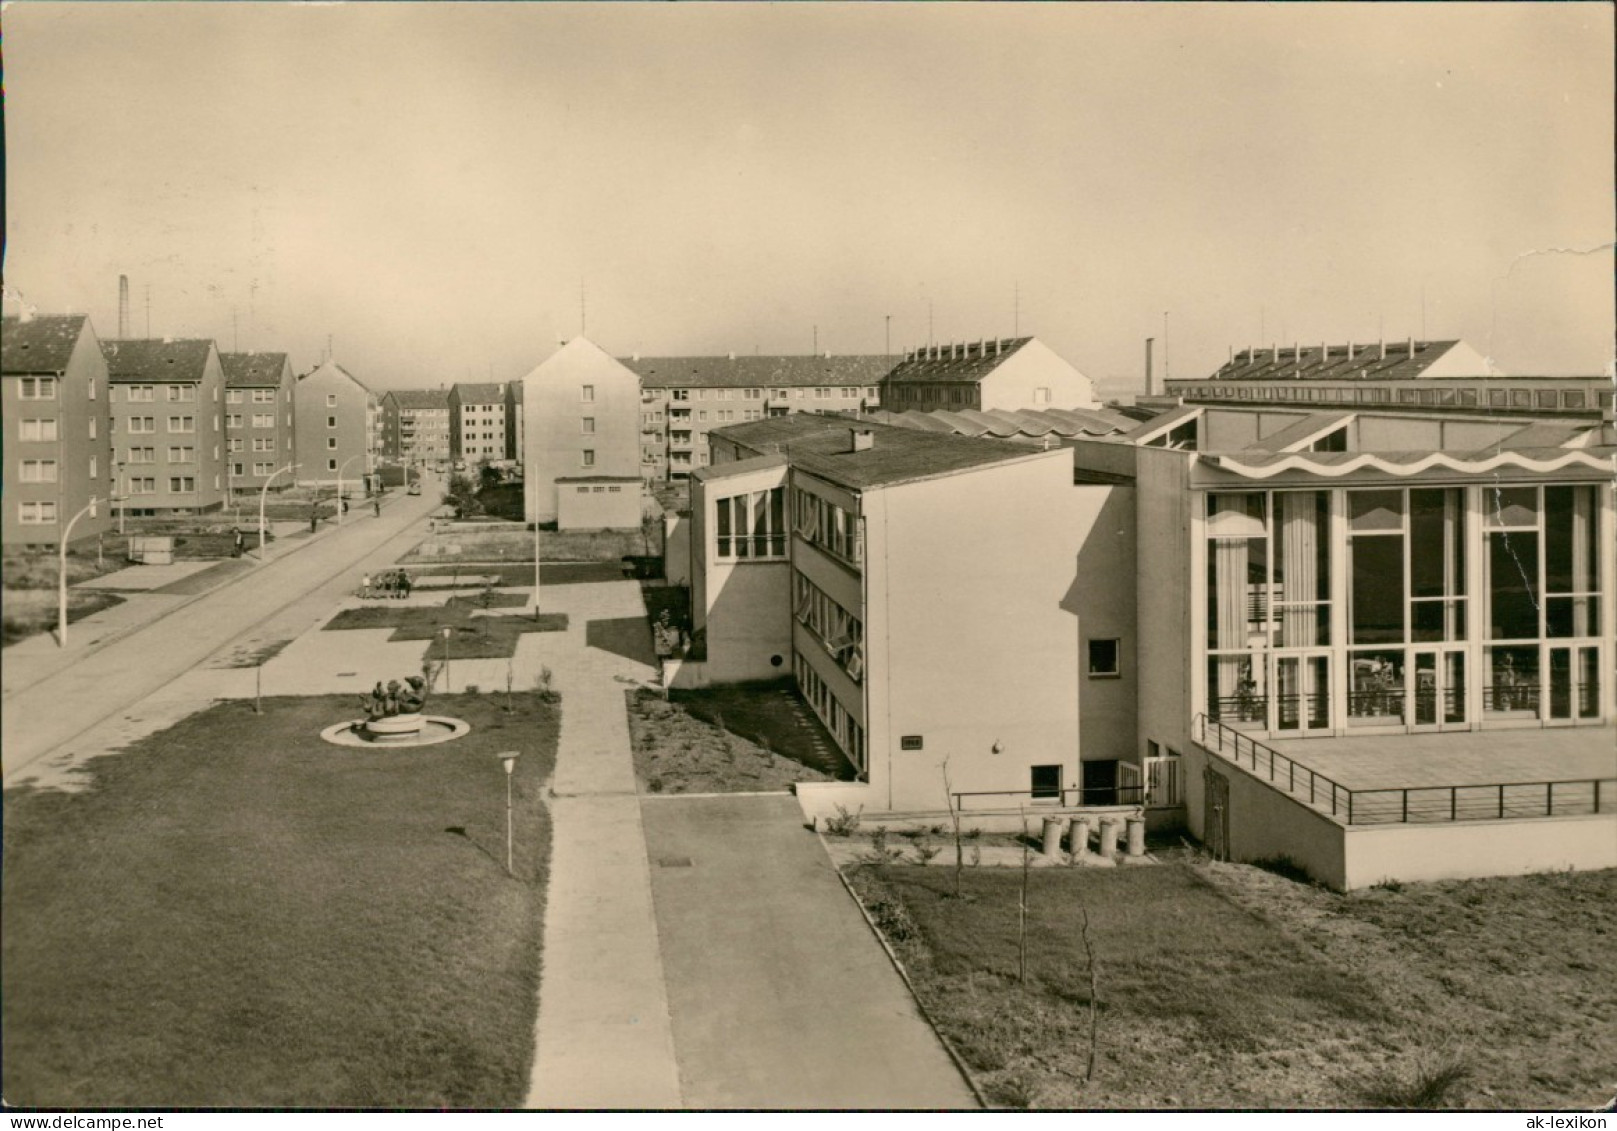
(394,718)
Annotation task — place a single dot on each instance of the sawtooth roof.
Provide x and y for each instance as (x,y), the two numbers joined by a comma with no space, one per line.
(157,359)
(252,370)
(972,361)
(781,371)
(41,344)
(1307,363)
(822,446)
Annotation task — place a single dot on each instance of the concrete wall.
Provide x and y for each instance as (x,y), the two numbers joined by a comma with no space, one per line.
(1012,384)
(1167,555)
(73,409)
(553,413)
(1470,849)
(1265,823)
(967,638)
(312,415)
(677,549)
(598,506)
(745,604)
(1102,598)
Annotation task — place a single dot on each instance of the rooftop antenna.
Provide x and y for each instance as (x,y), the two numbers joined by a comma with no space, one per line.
(887,337)
(583,308)
(930,340)
(1423,312)
(1263,313)
(1166,372)
(235,344)
(816,350)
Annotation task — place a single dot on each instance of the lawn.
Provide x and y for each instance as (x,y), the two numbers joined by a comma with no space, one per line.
(29,612)
(675,751)
(239,914)
(551,573)
(769,713)
(474,637)
(1223,986)
(513,542)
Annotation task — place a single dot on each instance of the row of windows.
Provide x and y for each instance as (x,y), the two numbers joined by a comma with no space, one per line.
(149,424)
(259,396)
(752,525)
(237,470)
(827,526)
(963,395)
(37,389)
(822,392)
(1513,398)
(839,630)
(260,420)
(260,444)
(843,727)
(177,484)
(145,394)
(598,490)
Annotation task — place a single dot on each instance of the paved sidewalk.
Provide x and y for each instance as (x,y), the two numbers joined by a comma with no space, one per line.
(781,997)
(603,1037)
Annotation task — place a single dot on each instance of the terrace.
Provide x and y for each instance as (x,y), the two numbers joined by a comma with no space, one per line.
(1422,778)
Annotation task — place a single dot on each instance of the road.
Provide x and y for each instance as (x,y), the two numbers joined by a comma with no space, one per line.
(46,716)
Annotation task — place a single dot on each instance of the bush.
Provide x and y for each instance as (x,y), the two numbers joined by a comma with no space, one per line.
(844,823)
(1428,1084)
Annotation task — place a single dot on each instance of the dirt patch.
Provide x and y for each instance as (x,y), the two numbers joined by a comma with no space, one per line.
(675,752)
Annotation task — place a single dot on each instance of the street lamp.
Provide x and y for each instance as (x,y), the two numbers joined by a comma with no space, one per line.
(61,576)
(345,463)
(263,496)
(123,498)
(509,759)
(449,682)
(536,562)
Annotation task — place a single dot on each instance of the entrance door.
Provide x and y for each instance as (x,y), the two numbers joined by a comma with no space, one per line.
(1574,683)
(1100,783)
(1216,813)
(1302,699)
(1439,689)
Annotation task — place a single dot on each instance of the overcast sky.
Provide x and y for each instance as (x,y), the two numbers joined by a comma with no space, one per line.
(431,184)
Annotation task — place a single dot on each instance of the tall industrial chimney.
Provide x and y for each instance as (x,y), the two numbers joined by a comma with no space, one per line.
(123,306)
(1150,371)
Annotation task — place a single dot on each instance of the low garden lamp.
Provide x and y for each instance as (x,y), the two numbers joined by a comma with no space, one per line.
(508,758)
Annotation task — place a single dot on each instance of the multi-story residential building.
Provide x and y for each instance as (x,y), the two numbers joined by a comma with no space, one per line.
(58,442)
(921,589)
(260,424)
(993,373)
(168,426)
(514,434)
(415,426)
(581,464)
(684,397)
(477,422)
(338,424)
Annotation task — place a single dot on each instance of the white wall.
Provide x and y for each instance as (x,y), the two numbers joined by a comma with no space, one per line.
(553,412)
(1472,849)
(1011,385)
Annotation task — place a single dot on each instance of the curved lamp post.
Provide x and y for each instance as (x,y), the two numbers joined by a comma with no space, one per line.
(61,576)
(263,496)
(345,463)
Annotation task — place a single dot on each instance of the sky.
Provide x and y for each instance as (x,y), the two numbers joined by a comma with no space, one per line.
(444,192)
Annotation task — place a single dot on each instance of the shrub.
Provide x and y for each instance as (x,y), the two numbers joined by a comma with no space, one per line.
(1284,866)
(1429,1083)
(844,823)
(1389,884)
(925,850)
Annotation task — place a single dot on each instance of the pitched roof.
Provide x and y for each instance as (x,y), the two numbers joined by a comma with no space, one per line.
(971,361)
(419,398)
(1025,423)
(479,392)
(1307,363)
(331,365)
(781,371)
(42,344)
(822,446)
(157,359)
(1301,433)
(738,467)
(252,370)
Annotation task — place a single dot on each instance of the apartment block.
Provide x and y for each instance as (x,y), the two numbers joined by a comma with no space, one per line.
(338,426)
(168,424)
(988,374)
(57,438)
(415,426)
(260,423)
(477,422)
(581,431)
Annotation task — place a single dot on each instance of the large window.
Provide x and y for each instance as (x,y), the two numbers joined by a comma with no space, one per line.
(752,525)
(839,631)
(1571,561)
(828,526)
(1237,605)
(36,429)
(1376,565)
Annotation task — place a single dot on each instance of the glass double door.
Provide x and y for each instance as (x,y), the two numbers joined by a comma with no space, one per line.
(1438,695)
(1574,683)
(1301,703)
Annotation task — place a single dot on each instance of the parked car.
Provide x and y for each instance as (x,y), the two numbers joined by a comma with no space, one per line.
(415,489)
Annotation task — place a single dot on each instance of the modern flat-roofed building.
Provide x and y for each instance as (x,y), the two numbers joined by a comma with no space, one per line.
(338,425)
(477,422)
(415,426)
(921,588)
(1378,634)
(167,404)
(260,424)
(983,375)
(683,398)
(57,442)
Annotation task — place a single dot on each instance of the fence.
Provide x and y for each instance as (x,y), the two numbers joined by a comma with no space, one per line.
(1410,804)
(1054,798)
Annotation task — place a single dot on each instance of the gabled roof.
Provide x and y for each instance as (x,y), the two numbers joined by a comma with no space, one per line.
(781,371)
(41,344)
(478,392)
(252,370)
(331,366)
(822,446)
(970,361)
(157,359)
(419,398)
(1394,360)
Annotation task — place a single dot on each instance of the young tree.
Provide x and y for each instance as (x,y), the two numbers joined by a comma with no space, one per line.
(954,818)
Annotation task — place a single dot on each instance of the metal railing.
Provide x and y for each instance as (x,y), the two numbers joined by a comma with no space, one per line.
(1059,798)
(1408,804)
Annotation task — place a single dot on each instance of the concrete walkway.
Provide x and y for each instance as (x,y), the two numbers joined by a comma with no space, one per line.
(603,1037)
(780,996)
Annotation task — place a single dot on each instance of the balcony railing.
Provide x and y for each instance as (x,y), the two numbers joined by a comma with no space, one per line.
(1070,797)
(1407,804)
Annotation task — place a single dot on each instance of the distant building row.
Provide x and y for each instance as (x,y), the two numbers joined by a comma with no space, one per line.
(162,426)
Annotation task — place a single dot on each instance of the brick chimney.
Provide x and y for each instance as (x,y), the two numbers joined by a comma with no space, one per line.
(863,439)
